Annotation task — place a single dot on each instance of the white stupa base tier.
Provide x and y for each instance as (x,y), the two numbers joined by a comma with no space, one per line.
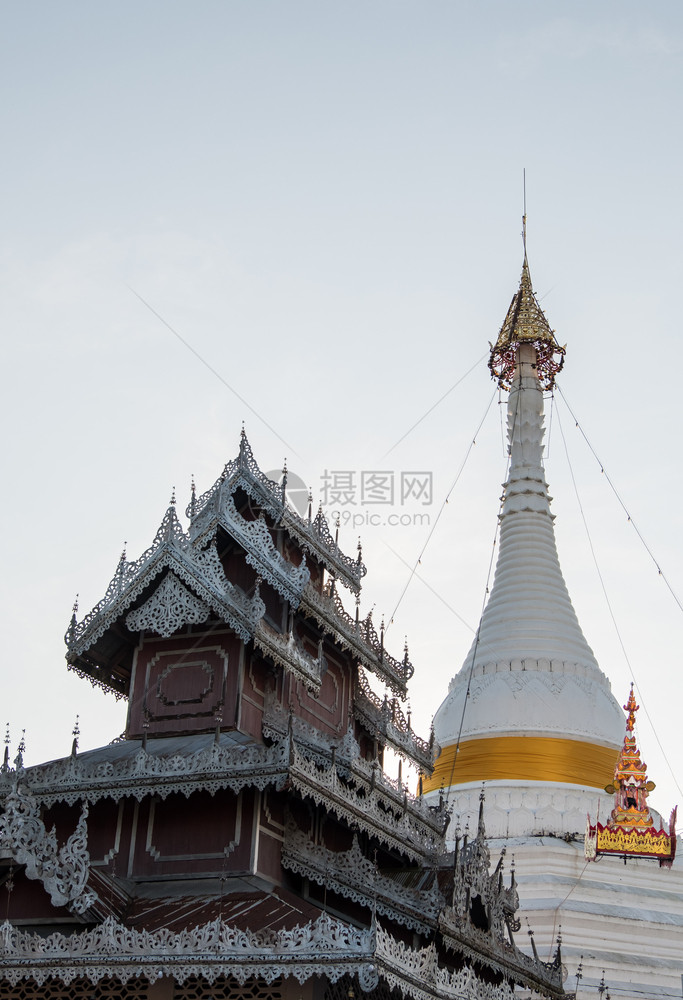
(625,919)
(518,808)
(531,696)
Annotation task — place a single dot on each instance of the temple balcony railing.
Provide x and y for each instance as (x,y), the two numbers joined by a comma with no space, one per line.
(358,636)
(352,875)
(385,718)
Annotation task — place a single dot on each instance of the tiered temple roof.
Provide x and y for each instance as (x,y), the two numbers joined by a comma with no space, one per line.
(243,832)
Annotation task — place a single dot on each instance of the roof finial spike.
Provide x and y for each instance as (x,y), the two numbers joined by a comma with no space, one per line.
(284,482)
(75,732)
(172,503)
(21,750)
(193,496)
(310,505)
(530,932)
(631,708)
(243,447)
(481,830)
(74,621)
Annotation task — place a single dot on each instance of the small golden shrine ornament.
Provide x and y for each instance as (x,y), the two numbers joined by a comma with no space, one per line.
(630,831)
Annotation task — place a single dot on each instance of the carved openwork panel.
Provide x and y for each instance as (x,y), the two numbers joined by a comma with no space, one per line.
(224,988)
(170,607)
(81,989)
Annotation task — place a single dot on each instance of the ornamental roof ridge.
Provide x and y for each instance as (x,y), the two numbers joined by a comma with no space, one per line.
(358,635)
(198,569)
(325,946)
(386,718)
(312,534)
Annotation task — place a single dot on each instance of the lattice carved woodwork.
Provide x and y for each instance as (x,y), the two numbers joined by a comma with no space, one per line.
(80,989)
(223,988)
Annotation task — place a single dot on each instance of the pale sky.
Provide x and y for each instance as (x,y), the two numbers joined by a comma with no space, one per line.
(324,199)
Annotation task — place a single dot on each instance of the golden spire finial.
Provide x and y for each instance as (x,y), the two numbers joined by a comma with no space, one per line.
(525,323)
(524,214)
(631,708)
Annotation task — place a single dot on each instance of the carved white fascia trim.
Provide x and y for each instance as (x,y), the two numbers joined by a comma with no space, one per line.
(325,947)
(313,536)
(170,607)
(322,947)
(325,751)
(261,553)
(348,786)
(415,972)
(63,871)
(354,876)
(461,937)
(199,569)
(399,825)
(284,650)
(387,719)
(145,773)
(359,638)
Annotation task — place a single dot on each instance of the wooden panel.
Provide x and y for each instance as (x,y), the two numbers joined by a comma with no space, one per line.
(329,709)
(200,836)
(185,683)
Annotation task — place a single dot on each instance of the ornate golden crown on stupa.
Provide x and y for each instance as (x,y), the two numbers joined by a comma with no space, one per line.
(525,323)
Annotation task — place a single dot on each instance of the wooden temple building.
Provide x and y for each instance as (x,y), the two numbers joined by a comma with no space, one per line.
(241,839)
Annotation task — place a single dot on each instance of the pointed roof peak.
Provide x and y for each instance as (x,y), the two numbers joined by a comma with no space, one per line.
(525,323)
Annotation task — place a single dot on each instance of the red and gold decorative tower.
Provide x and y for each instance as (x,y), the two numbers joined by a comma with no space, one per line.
(630,831)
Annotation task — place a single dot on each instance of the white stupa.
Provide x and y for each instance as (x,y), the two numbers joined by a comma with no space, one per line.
(531,714)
